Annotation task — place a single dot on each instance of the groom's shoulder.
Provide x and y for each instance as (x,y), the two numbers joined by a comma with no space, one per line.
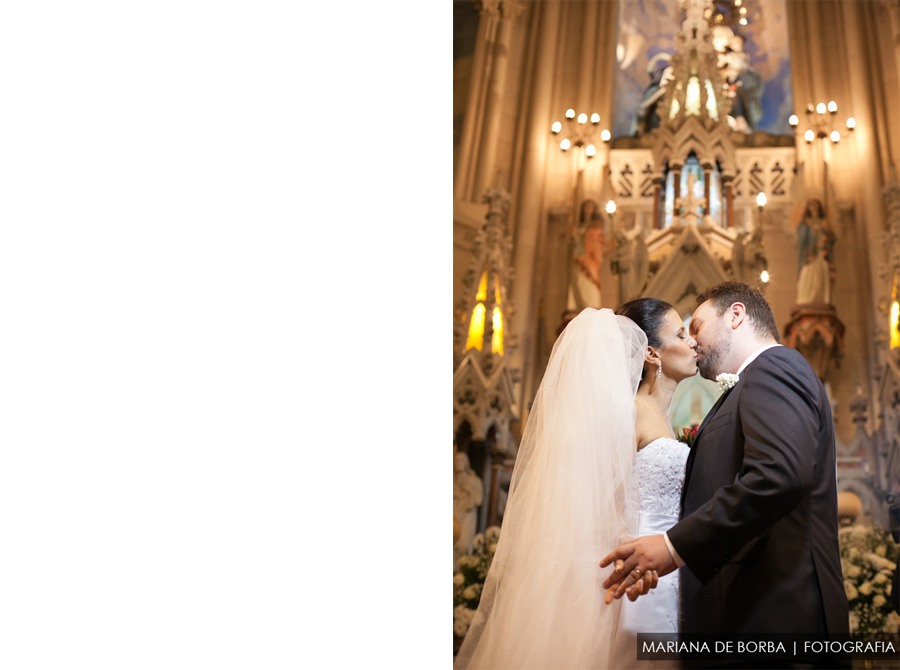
(786,362)
(784,354)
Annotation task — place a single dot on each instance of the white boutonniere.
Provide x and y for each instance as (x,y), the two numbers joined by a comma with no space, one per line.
(726,381)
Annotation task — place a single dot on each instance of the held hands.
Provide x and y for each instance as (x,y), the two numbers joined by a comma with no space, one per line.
(639,565)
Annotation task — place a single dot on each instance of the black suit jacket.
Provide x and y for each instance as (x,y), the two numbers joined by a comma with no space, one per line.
(759,527)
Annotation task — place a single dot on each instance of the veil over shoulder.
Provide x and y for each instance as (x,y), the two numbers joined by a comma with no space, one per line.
(542,602)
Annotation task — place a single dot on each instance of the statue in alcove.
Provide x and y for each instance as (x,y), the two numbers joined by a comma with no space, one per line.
(744,85)
(815,242)
(631,262)
(586,253)
(646,118)
(468,495)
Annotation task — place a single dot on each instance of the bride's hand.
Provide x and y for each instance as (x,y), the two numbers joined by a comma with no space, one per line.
(640,588)
(643,585)
(633,559)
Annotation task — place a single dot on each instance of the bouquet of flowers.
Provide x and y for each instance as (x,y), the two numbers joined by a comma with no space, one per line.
(688,435)
(468,582)
(868,561)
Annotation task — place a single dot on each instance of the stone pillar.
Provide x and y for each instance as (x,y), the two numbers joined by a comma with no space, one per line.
(676,191)
(486,477)
(656,188)
(529,208)
(892,7)
(585,92)
(867,177)
(707,175)
(494,489)
(493,111)
(729,204)
(484,39)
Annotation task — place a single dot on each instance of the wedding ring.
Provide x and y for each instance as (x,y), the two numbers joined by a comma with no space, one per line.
(637,572)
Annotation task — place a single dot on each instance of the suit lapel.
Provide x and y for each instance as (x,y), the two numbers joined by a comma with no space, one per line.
(688,466)
(711,414)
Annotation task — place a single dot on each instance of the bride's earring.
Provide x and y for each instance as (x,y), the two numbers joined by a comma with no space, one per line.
(659,371)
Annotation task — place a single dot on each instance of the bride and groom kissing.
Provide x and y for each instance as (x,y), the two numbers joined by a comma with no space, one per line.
(736,535)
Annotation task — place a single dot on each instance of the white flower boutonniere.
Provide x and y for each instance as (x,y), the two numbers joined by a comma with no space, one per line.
(726,381)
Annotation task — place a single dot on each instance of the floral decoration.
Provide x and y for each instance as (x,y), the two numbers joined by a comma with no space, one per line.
(868,561)
(726,381)
(469,581)
(689,435)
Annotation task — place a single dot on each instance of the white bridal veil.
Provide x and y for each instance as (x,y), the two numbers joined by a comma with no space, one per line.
(542,603)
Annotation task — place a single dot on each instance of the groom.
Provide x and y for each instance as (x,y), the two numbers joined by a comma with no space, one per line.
(758,535)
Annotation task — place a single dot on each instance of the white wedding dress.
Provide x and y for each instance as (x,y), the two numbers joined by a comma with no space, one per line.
(573,500)
(657,475)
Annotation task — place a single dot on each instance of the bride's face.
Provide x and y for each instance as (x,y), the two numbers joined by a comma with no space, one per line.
(679,360)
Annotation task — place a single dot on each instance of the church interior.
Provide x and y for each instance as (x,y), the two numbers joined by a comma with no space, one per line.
(615,149)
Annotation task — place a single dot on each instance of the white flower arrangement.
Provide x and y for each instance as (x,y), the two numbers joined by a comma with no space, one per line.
(469,581)
(868,561)
(726,381)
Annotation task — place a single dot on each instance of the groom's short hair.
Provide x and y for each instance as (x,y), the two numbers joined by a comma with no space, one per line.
(727,293)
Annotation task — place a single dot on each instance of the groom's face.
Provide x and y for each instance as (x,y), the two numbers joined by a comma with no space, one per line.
(713,339)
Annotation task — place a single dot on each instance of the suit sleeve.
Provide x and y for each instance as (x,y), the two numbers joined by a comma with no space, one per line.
(780,423)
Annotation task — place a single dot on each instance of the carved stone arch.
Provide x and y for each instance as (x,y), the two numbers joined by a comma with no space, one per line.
(692,145)
(689,269)
(483,402)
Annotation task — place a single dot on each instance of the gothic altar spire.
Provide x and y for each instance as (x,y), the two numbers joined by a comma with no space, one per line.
(697,87)
(482,380)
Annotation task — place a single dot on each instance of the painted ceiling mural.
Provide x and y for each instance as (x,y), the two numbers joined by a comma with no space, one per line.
(751,37)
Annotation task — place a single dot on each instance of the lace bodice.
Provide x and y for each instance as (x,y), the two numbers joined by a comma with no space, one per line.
(658,472)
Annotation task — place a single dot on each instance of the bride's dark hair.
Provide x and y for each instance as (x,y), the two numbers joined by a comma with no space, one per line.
(649,314)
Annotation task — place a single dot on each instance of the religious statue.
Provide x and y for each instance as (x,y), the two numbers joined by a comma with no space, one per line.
(631,262)
(815,242)
(468,494)
(586,254)
(744,85)
(646,118)
(748,259)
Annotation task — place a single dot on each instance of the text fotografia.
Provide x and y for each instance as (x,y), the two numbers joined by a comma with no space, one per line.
(659,646)
(767,646)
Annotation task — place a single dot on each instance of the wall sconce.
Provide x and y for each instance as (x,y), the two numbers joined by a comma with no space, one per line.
(579,133)
(821,123)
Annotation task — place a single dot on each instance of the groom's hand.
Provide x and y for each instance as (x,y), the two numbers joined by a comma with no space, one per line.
(633,559)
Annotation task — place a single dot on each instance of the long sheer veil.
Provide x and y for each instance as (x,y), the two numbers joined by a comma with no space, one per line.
(542,602)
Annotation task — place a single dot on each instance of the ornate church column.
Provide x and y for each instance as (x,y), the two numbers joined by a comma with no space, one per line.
(529,208)
(604,15)
(489,11)
(868,165)
(892,8)
(493,111)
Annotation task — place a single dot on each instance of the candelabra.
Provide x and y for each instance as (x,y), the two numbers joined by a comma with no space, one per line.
(579,133)
(821,123)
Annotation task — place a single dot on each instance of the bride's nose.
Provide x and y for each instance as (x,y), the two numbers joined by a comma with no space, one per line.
(693,342)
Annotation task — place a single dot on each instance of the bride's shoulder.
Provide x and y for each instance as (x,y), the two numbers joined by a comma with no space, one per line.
(648,425)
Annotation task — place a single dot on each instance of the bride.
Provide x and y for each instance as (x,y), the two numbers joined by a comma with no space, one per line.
(598,464)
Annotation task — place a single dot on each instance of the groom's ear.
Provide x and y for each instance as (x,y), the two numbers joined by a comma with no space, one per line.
(737,314)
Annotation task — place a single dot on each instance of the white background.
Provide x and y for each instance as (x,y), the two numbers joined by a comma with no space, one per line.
(225,312)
